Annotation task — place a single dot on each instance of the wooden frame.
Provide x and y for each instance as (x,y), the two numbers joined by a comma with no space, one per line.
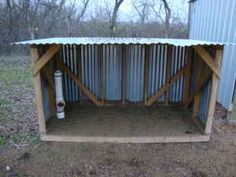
(44,65)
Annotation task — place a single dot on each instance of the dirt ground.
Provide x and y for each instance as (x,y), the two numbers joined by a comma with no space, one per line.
(22,154)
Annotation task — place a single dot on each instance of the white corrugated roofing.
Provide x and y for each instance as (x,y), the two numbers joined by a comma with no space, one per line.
(108,40)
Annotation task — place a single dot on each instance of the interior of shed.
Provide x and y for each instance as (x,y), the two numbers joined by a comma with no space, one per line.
(129,93)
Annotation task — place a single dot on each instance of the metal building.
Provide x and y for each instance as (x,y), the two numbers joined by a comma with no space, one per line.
(215,21)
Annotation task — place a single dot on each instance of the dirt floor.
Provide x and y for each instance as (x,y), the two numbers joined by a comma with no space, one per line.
(22,154)
(124,121)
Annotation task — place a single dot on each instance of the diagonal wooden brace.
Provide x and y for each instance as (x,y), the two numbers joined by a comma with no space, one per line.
(77,80)
(47,56)
(165,87)
(208,60)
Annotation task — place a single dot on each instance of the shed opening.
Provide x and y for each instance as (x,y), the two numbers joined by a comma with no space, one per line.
(127,90)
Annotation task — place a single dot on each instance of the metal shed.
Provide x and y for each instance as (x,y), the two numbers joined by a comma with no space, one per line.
(215,21)
(130,90)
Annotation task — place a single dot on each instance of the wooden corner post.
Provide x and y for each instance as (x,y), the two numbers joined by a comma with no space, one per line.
(38,92)
(213,94)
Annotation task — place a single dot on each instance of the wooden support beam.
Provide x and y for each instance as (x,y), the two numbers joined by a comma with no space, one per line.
(213,65)
(146,57)
(213,94)
(163,89)
(187,75)
(77,80)
(45,58)
(168,69)
(198,81)
(38,93)
(123,74)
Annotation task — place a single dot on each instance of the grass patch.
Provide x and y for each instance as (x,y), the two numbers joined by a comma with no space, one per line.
(2,141)
(22,138)
(16,75)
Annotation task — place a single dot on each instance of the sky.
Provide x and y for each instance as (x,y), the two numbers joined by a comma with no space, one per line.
(128,13)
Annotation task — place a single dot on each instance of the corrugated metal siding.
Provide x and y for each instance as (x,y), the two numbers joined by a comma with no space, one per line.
(204,102)
(109,40)
(214,21)
(86,60)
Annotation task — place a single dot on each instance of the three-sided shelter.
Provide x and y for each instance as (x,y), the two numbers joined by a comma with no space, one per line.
(128,90)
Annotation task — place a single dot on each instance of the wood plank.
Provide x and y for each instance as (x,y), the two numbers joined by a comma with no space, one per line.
(38,93)
(163,89)
(187,75)
(168,69)
(208,60)
(146,57)
(77,80)
(45,58)
(200,75)
(123,74)
(213,94)
(155,139)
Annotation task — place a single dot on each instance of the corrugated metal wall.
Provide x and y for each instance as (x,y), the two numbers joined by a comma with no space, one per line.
(87,60)
(215,21)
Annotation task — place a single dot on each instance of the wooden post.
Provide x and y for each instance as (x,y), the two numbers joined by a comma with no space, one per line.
(146,56)
(213,94)
(196,100)
(123,50)
(187,75)
(168,69)
(38,93)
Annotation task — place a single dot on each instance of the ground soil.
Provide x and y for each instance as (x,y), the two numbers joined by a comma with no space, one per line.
(22,155)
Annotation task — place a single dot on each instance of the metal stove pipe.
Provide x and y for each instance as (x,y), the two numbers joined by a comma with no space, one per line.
(60,103)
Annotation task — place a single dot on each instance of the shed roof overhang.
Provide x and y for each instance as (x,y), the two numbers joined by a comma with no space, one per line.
(109,40)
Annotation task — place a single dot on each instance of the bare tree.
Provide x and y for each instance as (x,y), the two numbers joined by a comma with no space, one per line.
(142,7)
(114,16)
(167,14)
(75,13)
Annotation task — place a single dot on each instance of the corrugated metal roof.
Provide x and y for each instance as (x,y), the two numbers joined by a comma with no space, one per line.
(107,40)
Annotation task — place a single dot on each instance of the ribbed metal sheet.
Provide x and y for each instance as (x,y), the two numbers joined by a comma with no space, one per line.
(87,60)
(215,21)
(204,102)
(106,40)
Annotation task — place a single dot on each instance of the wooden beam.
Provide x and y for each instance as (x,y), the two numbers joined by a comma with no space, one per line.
(168,69)
(213,94)
(38,93)
(146,57)
(163,89)
(132,139)
(45,58)
(213,65)
(198,81)
(187,75)
(77,80)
